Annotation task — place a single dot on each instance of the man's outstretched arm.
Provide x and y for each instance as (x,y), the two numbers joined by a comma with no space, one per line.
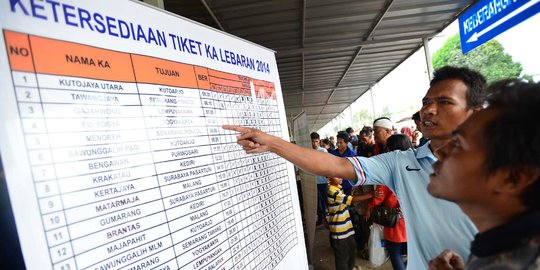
(319,163)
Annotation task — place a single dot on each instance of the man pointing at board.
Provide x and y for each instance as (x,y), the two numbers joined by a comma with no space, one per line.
(433,224)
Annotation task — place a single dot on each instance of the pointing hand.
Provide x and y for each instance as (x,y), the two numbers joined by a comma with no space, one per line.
(252,140)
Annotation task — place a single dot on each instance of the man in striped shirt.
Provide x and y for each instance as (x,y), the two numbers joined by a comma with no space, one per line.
(339,223)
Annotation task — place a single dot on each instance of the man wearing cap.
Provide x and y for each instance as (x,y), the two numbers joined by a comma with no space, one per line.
(382,128)
(433,225)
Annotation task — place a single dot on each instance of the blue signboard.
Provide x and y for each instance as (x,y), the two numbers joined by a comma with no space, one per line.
(488,18)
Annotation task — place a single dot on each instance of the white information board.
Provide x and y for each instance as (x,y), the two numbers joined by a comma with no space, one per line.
(301,130)
(112,144)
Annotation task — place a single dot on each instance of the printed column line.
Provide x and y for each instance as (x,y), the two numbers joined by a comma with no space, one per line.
(200,78)
(153,162)
(52,158)
(26,67)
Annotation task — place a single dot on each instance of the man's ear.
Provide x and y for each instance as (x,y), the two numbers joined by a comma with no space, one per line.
(477,108)
(515,180)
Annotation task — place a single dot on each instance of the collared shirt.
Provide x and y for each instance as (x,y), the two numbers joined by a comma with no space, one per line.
(318,178)
(348,153)
(339,221)
(514,245)
(432,224)
(350,146)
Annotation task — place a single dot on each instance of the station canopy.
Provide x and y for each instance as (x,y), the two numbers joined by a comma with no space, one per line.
(329,53)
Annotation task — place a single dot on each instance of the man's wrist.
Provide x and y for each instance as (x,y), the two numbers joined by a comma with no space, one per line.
(273,144)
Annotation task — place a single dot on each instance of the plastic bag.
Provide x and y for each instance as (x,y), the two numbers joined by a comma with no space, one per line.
(377,255)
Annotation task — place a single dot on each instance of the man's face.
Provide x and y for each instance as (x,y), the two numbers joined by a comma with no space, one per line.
(443,108)
(418,125)
(325,145)
(381,134)
(341,144)
(460,174)
(315,143)
(365,139)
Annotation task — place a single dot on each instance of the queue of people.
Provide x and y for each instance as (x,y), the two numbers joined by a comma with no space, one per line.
(476,179)
(370,141)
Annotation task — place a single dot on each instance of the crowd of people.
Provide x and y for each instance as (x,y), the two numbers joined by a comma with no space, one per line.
(361,200)
(468,192)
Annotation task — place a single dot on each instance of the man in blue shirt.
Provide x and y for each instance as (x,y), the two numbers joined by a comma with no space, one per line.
(494,180)
(343,150)
(432,224)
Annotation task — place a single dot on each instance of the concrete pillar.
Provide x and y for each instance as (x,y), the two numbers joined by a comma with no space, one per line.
(428,58)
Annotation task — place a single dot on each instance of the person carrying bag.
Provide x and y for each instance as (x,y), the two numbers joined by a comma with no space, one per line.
(386,216)
(390,214)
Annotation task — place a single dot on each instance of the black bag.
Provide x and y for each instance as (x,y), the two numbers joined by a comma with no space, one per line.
(386,216)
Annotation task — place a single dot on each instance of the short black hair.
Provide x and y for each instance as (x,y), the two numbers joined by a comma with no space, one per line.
(364,132)
(512,138)
(416,116)
(349,130)
(398,142)
(475,81)
(314,135)
(343,135)
(326,141)
(367,129)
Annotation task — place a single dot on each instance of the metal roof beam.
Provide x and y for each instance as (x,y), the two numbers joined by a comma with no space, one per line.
(318,105)
(212,15)
(379,20)
(333,46)
(303,38)
(323,89)
(303,22)
(373,27)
